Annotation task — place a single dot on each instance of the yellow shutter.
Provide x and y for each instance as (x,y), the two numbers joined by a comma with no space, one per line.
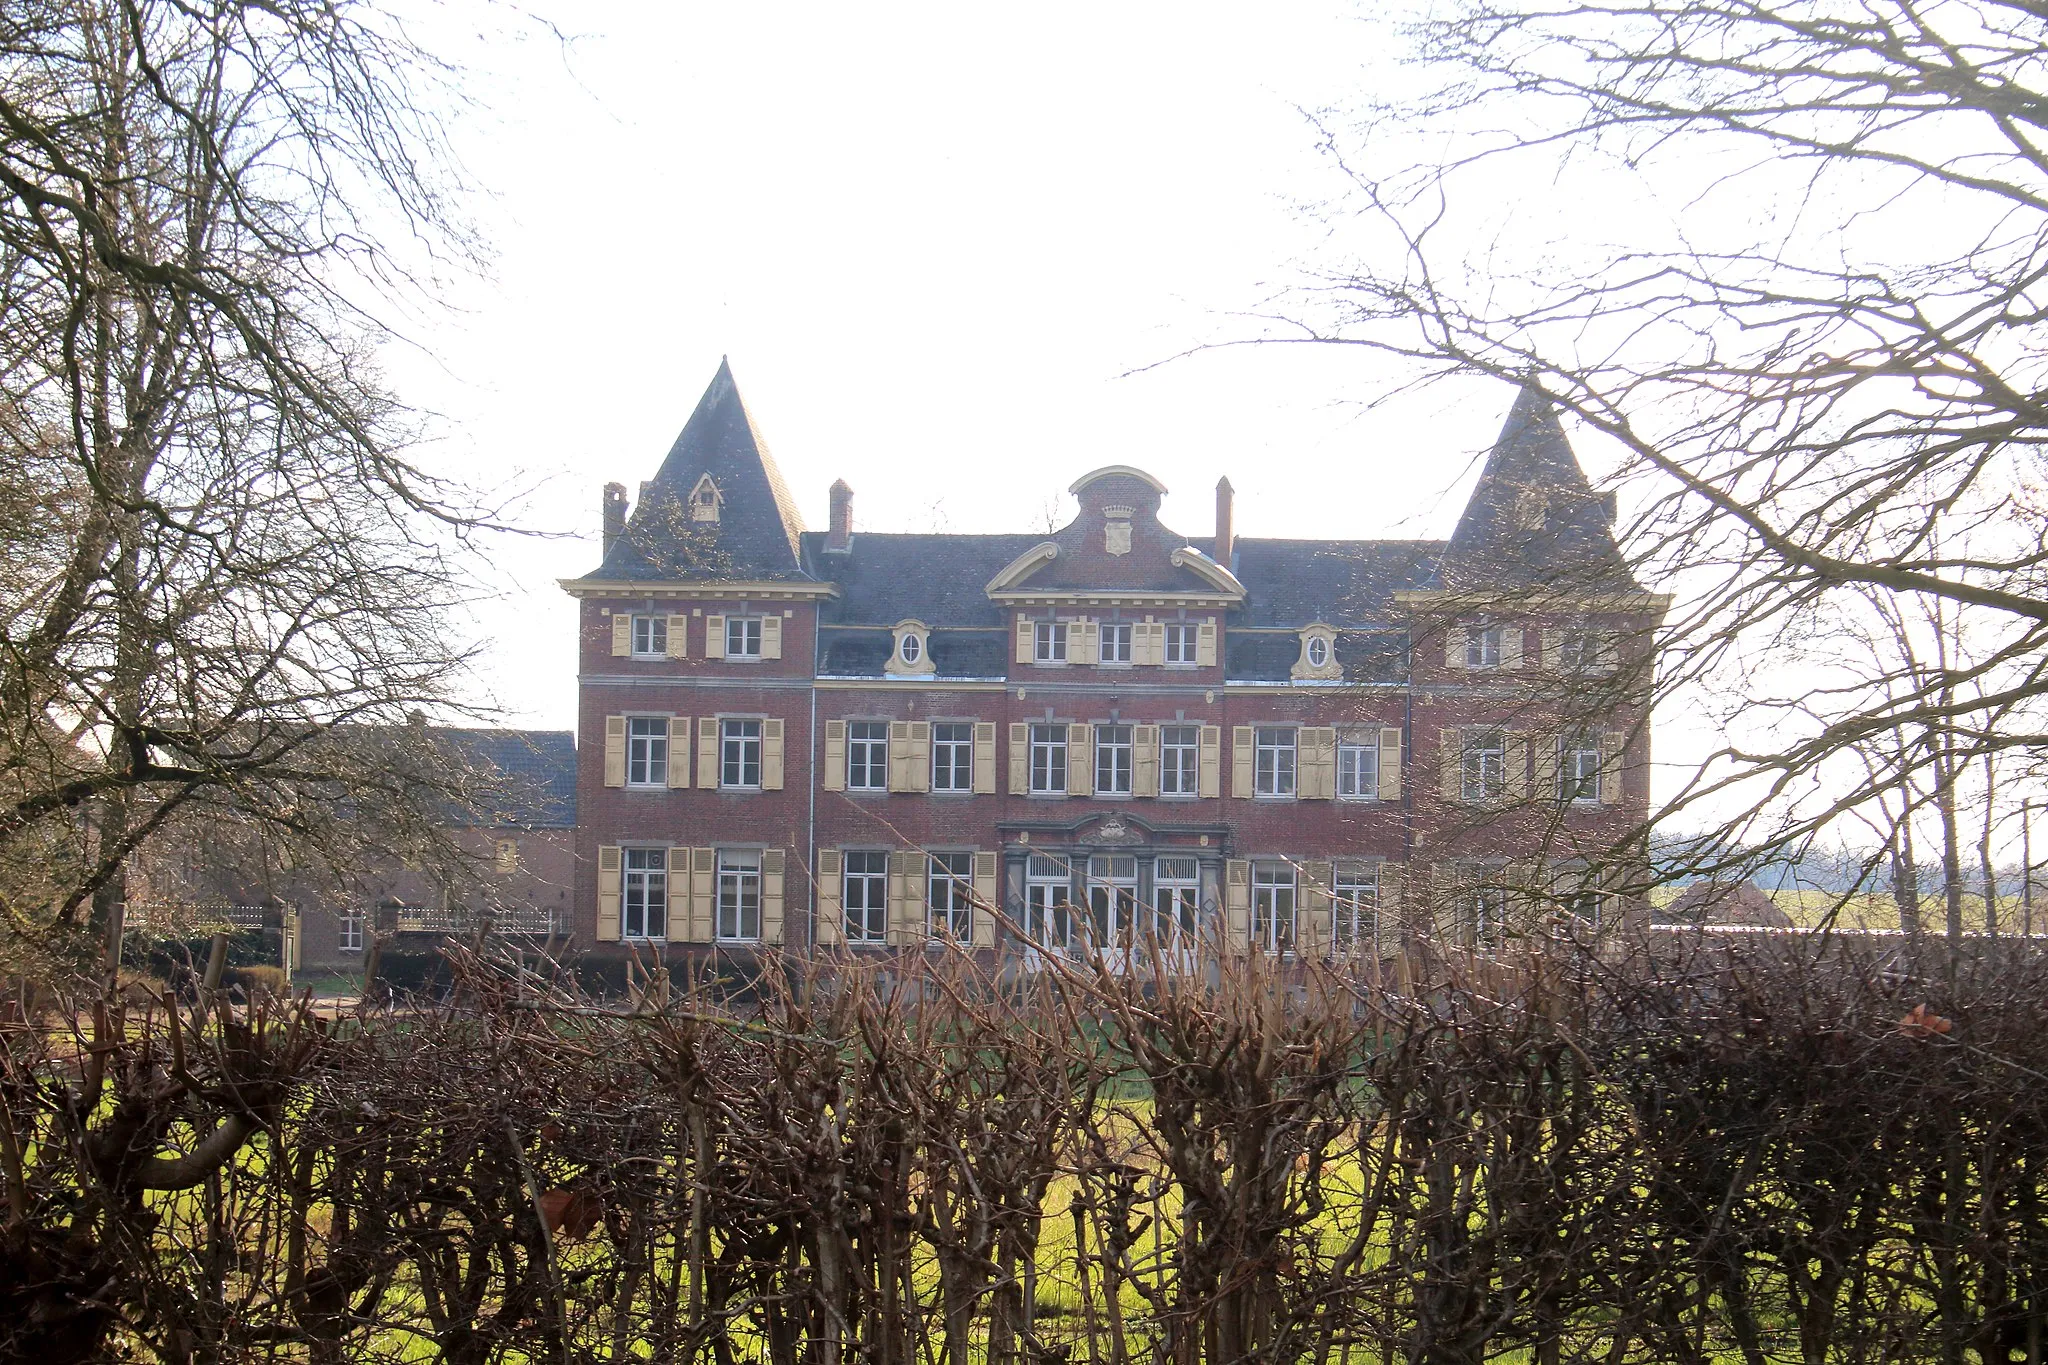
(1091,641)
(1316,903)
(1237,904)
(1145,760)
(984,758)
(1242,740)
(920,762)
(1393,877)
(1025,639)
(1546,650)
(714,637)
(1156,633)
(707,751)
(1454,645)
(679,751)
(899,756)
(772,864)
(1548,751)
(678,893)
(622,634)
(615,751)
(1510,647)
(1390,763)
(831,926)
(987,868)
(1020,759)
(1210,763)
(835,755)
(771,635)
(1318,779)
(1516,754)
(678,636)
(907,916)
(608,893)
(1451,764)
(771,754)
(1080,760)
(1205,644)
(703,893)
(1610,767)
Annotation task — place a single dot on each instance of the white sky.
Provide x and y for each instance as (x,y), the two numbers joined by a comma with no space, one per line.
(934,240)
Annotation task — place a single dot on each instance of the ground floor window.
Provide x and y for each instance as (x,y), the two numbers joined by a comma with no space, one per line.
(1048,901)
(739,896)
(1176,900)
(643,906)
(1355,908)
(948,895)
(352,931)
(867,896)
(1113,897)
(1273,906)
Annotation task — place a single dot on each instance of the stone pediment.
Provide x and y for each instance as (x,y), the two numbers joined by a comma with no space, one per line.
(1115,547)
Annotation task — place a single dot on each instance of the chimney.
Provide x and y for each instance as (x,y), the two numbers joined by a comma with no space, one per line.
(614,514)
(1226,540)
(839,531)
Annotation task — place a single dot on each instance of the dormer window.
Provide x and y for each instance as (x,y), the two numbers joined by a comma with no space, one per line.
(911,649)
(705,500)
(1318,659)
(913,652)
(1318,651)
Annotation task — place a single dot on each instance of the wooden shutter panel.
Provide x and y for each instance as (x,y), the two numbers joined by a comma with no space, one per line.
(1610,767)
(678,636)
(707,752)
(1451,762)
(835,755)
(1318,779)
(1390,763)
(1237,904)
(831,926)
(703,893)
(773,862)
(1510,647)
(1156,632)
(622,634)
(984,758)
(771,754)
(608,862)
(1145,760)
(1454,645)
(1546,650)
(1080,760)
(899,756)
(615,751)
(1549,759)
(920,760)
(678,892)
(1026,638)
(678,751)
(714,637)
(1393,920)
(1242,753)
(1516,754)
(771,635)
(1077,630)
(1091,641)
(987,868)
(1316,904)
(1205,644)
(1210,761)
(907,868)
(1020,759)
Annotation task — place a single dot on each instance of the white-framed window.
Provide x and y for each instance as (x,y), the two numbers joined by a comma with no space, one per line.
(1355,908)
(351,931)
(867,755)
(1050,640)
(1049,759)
(1316,651)
(949,885)
(1482,646)
(1580,650)
(739,754)
(739,895)
(1578,768)
(742,637)
(647,751)
(650,637)
(1176,900)
(1273,906)
(1180,642)
(909,647)
(1112,760)
(1113,898)
(1485,765)
(865,895)
(643,894)
(1482,913)
(1049,901)
(1179,759)
(1358,770)
(1116,642)
(1274,771)
(952,756)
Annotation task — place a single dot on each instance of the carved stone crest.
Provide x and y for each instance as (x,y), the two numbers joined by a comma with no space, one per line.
(1113,830)
(1117,537)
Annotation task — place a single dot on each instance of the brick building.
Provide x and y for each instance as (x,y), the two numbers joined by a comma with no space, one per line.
(802,738)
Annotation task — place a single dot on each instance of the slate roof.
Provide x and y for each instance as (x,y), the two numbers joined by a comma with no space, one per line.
(885,577)
(1291,583)
(538,768)
(954,653)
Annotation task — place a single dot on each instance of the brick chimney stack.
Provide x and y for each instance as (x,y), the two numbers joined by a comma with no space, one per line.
(839,531)
(614,514)
(1226,539)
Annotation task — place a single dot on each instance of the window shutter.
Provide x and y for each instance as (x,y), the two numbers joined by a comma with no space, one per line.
(831,927)
(771,635)
(835,756)
(1392,881)
(1510,648)
(1454,646)
(1157,634)
(1020,759)
(1318,780)
(1549,757)
(678,751)
(678,893)
(678,636)
(1242,738)
(1210,762)
(1610,767)
(703,892)
(1205,644)
(1390,763)
(1316,903)
(1091,641)
(615,751)
(772,864)
(608,893)
(1145,760)
(707,752)
(1517,757)
(987,867)
(1451,759)
(1026,640)
(714,637)
(920,762)
(899,756)
(622,634)
(1080,760)
(1546,650)
(771,754)
(1237,904)
(984,759)
(906,897)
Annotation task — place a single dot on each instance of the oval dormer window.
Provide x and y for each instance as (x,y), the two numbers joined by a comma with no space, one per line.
(912,648)
(1318,651)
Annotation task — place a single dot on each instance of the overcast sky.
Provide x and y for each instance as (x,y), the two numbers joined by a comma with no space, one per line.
(951,251)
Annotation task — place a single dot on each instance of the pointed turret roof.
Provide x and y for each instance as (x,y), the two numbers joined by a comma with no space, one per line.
(755,535)
(1534,518)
